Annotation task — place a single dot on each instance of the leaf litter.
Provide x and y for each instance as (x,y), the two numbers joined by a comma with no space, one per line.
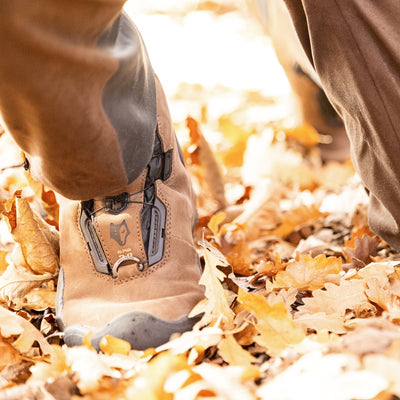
(302,300)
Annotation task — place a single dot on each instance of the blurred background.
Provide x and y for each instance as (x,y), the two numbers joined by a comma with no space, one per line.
(211,56)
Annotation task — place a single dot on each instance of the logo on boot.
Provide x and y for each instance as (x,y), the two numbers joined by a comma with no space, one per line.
(120,232)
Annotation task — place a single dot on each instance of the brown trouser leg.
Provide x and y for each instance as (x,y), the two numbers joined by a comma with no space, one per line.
(77,93)
(354,47)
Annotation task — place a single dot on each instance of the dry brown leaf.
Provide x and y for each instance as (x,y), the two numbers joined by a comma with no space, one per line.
(17,281)
(269,268)
(309,273)
(215,307)
(297,218)
(211,168)
(364,249)
(37,249)
(261,213)
(240,258)
(287,296)
(336,299)
(8,354)
(371,335)
(13,325)
(40,299)
(358,232)
(274,324)
(378,293)
(380,271)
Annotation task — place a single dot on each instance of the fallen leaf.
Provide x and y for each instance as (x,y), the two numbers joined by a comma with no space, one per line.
(237,136)
(320,321)
(13,325)
(207,337)
(335,299)
(315,375)
(364,249)
(215,306)
(211,168)
(37,249)
(8,354)
(309,273)
(296,219)
(275,326)
(234,354)
(110,345)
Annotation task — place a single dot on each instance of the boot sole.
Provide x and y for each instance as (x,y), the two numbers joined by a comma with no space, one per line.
(140,329)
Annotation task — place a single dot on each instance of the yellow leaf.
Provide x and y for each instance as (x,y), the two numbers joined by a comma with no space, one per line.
(215,306)
(215,221)
(274,324)
(3,262)
(110,345)
(237,136)
(306,135)
(309,273)
(87,341)
(234,354)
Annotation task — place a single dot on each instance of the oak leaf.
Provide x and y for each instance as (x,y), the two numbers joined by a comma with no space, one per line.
(215,306)
(309,273)
(274,324)
(335,299)
(13,325)
(17,281)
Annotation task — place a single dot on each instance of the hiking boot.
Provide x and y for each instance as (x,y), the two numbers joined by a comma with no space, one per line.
(129,266)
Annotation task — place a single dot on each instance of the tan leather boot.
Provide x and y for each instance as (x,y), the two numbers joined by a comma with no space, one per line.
(129,266)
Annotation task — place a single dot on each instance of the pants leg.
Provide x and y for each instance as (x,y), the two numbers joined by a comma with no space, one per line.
(77,93)
(313,106)
(354,47)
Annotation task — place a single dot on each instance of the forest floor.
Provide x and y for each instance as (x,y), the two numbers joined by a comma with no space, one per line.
(302,299)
